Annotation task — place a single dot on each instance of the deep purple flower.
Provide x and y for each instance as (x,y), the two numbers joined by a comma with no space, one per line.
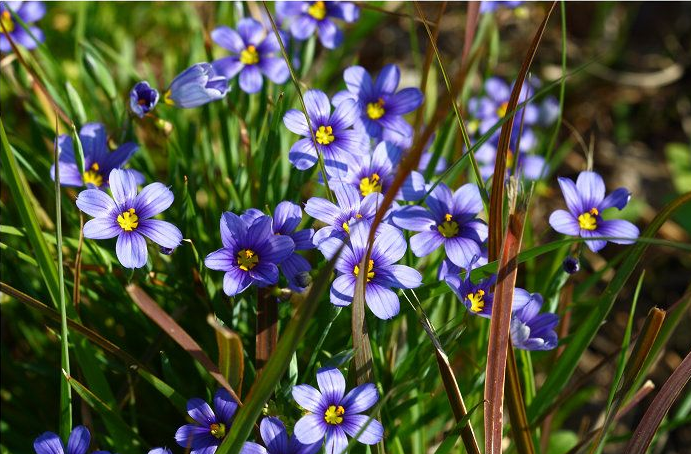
(197,85)
(211,426)
(129,217)
(78,443)
(253,54)
(28,12)
(306,17)
(380,106)
(448,267)
(376,173)
(160,451)
(531,330)
(334,415)
(250,253)
(586,202)
(382,272)
(477,298)
(489,6)
(340,218)
(450,221)
(276,440)
(98,159)
(143,98)
(570,265)
(287,217)
(335,140)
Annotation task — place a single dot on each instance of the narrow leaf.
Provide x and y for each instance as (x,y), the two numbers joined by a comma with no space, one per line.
(231,358)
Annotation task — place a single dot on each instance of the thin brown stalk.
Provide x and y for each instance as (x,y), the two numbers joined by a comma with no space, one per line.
(267,327)
(76,295)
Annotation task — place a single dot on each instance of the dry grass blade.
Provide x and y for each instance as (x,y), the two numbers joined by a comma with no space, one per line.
(267,327)
(519,419)
(499,335)
(471,21)
(497,197)
(175,331)
(652,418)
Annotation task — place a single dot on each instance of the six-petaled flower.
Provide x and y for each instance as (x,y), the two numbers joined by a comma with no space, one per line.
(77,443)
(211,425)
(306,17)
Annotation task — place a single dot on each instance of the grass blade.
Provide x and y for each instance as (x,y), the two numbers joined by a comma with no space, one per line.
(267,327)
(231,360)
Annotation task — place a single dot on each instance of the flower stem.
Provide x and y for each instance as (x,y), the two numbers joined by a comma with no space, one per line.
(267,327)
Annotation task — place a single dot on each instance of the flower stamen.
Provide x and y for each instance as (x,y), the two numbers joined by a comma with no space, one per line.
(249,56)
(334,414)
(325,135)
(375,110)
(317,10)
(128,221)
(7,21)
(477,302)
(92,176)
(247,259)
(448,228)
(370,272)
(218,430)
(588,220)
(370,184)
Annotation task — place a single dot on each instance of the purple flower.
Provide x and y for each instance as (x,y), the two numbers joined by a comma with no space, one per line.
(252,55)
(380,106)
(250,253)
(211,426)
(570,265)
(197,85)
(586,202)
(98,160)
(334,415)
(377,172)
(286,219)
(491,6)
(129,217)
(160,451)
(335,140)
(276,440)
(529,166)
(477,298)
(450,221)
(382,272)
(531,330)
(143,98)
(306,17)
(78,443)
(28,12)
(340,218)
(448,267)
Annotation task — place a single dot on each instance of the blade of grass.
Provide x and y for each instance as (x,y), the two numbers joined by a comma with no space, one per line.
(275,368)
(266,335)
(566,365)
(231,360)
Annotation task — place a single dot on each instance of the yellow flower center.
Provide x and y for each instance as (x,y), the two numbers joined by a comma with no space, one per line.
(477,302)
(249,56)
(334,414)
(370,184)
(128,220)
(247,259)
(501,111)
(473,126)
(448,228)
(325,135)
(92,176)
(509,159)
(218,430)
(346,226)
(375,110)
(7,21)
(167,99)
(317,10)
(370,272)
(588,221)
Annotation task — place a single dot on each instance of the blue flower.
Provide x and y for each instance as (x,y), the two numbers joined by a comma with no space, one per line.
(211,426)
(477,298)
(28,12)
(450,221)
(98,160)
(339,218)
(586,202)
(287,217)
(276,440)
(529,166)
(381,107)
(250,254)
(531,330)
(78,443)
(143,98)
(306,17)
(382,272)
(335,140)
(253,54)
(489,6)
(197,85)
(129,217)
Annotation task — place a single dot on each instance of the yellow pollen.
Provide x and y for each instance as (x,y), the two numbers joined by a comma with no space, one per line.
(370,184)
(7,21)
(128,220)
(325,135)
(448,228)
(346,227)
(247,259)
(509,159)
(218,430)
(334,414)
(473,126)
(477,302)
(92,176)
(167,99)
(249,56)
(370,272)
(375,110)
(317,10)
(501,110)
(588,221)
